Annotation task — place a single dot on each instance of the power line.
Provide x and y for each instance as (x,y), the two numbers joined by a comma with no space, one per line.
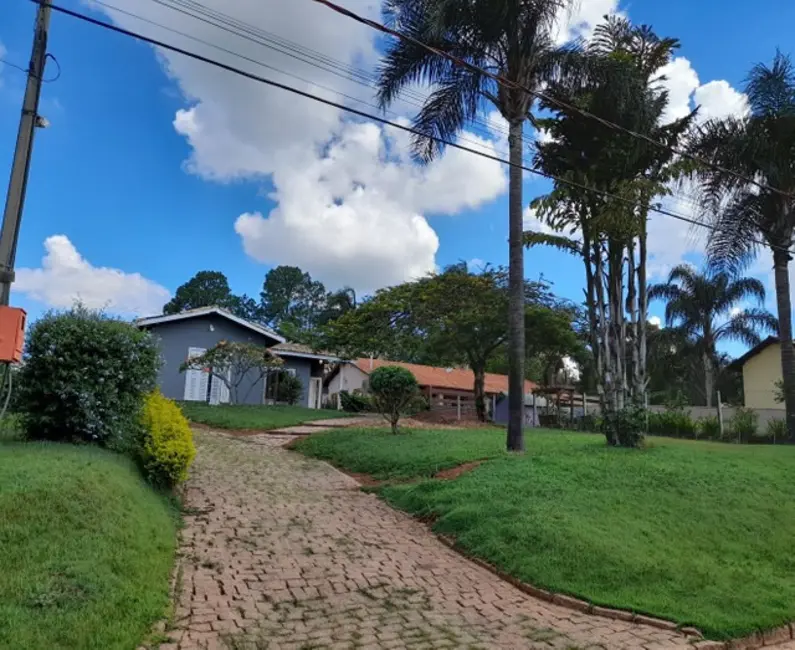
(516,86)
(230,24)
(369,116)
(25,70)
(246,58)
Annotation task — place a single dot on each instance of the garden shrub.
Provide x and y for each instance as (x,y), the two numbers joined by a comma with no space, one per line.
(708,428)
(674,422)
(624,427)
(744,424)
(776,429)
(165,447)
(394,389)
(289,390)
(355,402)
(85,377)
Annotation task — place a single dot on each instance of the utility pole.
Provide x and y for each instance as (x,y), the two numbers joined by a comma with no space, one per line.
(19,170)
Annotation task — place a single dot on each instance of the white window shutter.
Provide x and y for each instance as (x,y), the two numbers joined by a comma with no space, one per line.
(195,379)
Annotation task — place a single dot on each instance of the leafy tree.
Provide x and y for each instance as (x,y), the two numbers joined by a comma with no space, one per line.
(235,364)
(455,317)
(701,306)
(511,38)
(292,302)
(211,289)
(205,289)
(338,303)
(393,389)
(759,146)
(450,318)
(618,81)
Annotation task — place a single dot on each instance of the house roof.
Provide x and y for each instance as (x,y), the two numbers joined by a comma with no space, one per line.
(450,378)
(208,311)
(739,362)
(302,351)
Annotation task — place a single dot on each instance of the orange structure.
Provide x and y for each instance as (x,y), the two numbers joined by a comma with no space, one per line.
(12,334)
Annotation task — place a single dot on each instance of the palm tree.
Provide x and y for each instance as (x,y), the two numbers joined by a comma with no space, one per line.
(759,146)
(510,38)
(697,305)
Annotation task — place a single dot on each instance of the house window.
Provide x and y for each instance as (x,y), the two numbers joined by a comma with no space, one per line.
(272,380)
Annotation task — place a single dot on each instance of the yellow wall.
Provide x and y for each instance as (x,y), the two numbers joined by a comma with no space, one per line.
(760,373)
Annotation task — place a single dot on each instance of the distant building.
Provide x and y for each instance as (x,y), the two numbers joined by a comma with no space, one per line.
(450,391)
(761,368)
(192,332)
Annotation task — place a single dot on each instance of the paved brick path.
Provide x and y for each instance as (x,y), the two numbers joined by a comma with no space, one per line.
(280,551)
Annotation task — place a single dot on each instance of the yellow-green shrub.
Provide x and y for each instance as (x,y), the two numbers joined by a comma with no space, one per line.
(166,447)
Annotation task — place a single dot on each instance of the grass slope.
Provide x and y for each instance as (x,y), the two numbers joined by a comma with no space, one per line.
(254,417)
(408,455)
(87,548)
(699,533)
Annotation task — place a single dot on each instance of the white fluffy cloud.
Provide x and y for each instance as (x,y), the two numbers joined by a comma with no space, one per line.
(66,277)
(716,99)
(351,205)
(580,21)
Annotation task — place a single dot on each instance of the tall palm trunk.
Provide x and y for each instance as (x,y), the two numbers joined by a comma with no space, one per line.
(516,334)
(709,379)
(784,304)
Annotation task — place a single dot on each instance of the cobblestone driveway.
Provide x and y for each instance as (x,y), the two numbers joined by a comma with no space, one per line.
(280,551)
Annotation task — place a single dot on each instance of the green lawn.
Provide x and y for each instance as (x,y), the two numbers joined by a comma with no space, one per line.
(700,533)
(254,417)
(86,549)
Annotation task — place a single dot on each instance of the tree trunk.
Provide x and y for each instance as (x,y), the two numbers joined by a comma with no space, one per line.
(643,314)
(784,304)
(709,379)
(516,334)
(480,386)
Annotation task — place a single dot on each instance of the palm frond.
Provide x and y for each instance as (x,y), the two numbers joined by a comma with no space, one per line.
(742,289)
(560,242)
(771,90)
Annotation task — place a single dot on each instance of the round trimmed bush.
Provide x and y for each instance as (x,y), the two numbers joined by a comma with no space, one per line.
(84,378)
(394,389)
(166,447)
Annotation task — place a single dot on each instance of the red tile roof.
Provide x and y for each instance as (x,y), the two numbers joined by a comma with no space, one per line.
(450,378)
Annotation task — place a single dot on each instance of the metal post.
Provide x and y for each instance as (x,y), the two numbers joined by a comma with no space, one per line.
(458,405)
(21,165)
(720,416)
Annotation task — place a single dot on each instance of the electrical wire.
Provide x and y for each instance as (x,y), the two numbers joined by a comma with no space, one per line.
(27,70)
(540,95)
(250,59)
(375,118)
(230,24)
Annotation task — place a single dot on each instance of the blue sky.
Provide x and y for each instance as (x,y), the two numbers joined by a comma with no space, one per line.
(148,173)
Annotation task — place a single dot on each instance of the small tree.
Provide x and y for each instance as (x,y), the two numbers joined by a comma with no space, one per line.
(393,389)
(289,390)
(235,364)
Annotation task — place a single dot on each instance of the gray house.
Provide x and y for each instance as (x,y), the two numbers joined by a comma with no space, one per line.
(190,333)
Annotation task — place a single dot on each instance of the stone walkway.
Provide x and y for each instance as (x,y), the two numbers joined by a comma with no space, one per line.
(280,551)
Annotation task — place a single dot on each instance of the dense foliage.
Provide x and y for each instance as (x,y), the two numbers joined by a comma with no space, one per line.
(289,389)
(394,390)
(457,318)
(607,229)
(165,447)
(85,377)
